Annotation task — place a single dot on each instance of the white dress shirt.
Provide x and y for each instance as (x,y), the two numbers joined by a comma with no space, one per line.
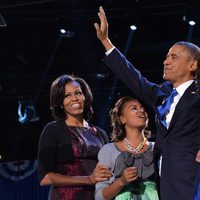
(180,89)
(109,51)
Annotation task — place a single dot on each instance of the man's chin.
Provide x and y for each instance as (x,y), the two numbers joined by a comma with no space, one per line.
(166,78)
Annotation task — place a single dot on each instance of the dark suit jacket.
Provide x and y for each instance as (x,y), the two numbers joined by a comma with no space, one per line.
(179,144)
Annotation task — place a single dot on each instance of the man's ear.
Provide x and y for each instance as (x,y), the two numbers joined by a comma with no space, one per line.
(193,66)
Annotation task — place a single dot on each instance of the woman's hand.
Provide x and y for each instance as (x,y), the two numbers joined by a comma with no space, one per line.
(100,173)
(129,175)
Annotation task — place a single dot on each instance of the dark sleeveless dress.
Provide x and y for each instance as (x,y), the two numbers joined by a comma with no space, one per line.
(86,145)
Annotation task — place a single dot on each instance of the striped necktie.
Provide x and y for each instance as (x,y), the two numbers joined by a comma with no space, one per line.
(164,108)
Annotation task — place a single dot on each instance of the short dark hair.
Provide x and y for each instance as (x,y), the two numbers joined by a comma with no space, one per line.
(194,51)
(57,93)
(118,132)
(192,48)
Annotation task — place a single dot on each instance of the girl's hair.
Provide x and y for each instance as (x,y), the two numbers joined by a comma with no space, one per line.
(119,132)
(57,94)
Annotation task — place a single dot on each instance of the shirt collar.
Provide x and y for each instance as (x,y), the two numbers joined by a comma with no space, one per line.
(181,88)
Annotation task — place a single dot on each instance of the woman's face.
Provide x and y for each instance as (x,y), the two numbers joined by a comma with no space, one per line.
(134,115)
(74,99)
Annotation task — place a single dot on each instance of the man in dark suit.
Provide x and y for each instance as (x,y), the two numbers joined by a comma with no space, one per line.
(178,139)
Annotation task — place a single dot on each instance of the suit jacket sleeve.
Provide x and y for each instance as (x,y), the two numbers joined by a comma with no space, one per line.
(144,89)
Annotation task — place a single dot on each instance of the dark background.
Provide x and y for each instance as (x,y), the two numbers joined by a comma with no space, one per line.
(33,53)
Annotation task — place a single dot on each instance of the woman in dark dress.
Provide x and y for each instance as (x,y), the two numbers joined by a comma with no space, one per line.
(68,146)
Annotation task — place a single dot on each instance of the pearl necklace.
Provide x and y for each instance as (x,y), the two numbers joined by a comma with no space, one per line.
(129,147)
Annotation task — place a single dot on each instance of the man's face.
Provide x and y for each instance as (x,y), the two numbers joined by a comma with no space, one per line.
(178,65)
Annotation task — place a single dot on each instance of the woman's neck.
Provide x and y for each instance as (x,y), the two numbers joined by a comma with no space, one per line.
(72,121)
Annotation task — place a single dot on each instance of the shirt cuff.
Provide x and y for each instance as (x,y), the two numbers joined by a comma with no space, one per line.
(109,51)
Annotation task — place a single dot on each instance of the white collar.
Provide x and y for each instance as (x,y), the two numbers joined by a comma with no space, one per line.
(181,88)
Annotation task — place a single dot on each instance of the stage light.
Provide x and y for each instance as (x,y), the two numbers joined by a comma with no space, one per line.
(26,112)
(66,33)
(62,30)
(133,27)
(192,23)
(191,15)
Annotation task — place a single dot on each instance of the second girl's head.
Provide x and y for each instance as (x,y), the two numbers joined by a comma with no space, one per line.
(128,112)
(70,95)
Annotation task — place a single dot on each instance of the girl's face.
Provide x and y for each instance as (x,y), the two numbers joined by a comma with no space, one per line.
(74,99)
(134,115)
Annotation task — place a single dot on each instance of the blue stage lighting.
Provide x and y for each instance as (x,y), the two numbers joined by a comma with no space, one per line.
(26,113)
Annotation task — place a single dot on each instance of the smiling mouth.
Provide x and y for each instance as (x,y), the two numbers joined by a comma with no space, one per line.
(77,105)
(142,117)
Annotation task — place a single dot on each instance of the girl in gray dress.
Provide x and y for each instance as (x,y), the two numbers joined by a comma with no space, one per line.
(129,156)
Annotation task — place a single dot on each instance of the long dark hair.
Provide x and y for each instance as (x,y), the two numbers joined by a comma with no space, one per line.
(118,131)
(57,93)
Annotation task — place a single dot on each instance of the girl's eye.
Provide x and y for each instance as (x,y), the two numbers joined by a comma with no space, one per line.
(134,109)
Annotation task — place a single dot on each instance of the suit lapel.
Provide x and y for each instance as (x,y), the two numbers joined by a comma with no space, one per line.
(188,96)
